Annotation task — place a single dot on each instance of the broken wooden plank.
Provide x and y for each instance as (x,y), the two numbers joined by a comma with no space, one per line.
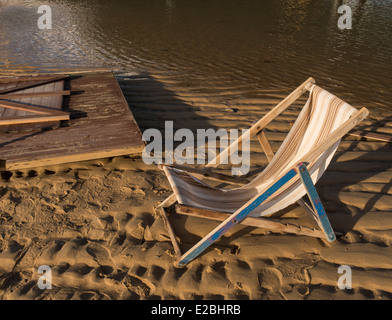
(12,79)
(35,94)
(29,108)
(34,84)
(33,119)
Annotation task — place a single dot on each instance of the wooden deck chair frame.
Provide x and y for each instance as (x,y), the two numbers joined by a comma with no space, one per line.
(316,210)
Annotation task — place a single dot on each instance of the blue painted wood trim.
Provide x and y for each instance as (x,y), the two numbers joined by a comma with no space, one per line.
(316,202)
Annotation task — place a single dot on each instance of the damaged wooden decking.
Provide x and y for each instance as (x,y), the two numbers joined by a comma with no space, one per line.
(100,125)
(31,102)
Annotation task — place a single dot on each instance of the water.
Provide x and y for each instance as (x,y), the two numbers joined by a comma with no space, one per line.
(210,45)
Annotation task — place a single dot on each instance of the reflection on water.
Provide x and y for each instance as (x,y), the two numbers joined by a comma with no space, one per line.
(209,43)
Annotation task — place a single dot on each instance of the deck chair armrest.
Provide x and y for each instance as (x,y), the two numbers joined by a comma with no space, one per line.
(207,174)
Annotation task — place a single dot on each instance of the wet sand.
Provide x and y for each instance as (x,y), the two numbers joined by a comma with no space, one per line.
(94,222)
(201,65)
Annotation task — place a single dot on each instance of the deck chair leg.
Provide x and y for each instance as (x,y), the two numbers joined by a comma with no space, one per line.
(318,210)
(233,219)
(170,230)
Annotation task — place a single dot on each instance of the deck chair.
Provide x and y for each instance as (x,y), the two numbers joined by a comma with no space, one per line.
(290,175)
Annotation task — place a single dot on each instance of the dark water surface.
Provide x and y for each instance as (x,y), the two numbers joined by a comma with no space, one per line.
(210,44)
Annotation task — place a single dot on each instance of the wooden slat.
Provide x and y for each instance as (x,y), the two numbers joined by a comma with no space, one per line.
(33,109)
(4,86)
(35,94)
(170,230)
(265,145)
(12,80)
(371,135)
(265,223)
(32,119)
(76,156)
(34,84)
(52,147)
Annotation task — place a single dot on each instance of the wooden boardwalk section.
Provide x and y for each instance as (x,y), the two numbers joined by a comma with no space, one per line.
(100,125)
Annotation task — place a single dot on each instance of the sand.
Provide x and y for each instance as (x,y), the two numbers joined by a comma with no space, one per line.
(95,225)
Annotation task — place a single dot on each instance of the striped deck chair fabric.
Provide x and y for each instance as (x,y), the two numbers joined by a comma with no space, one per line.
(321,115)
